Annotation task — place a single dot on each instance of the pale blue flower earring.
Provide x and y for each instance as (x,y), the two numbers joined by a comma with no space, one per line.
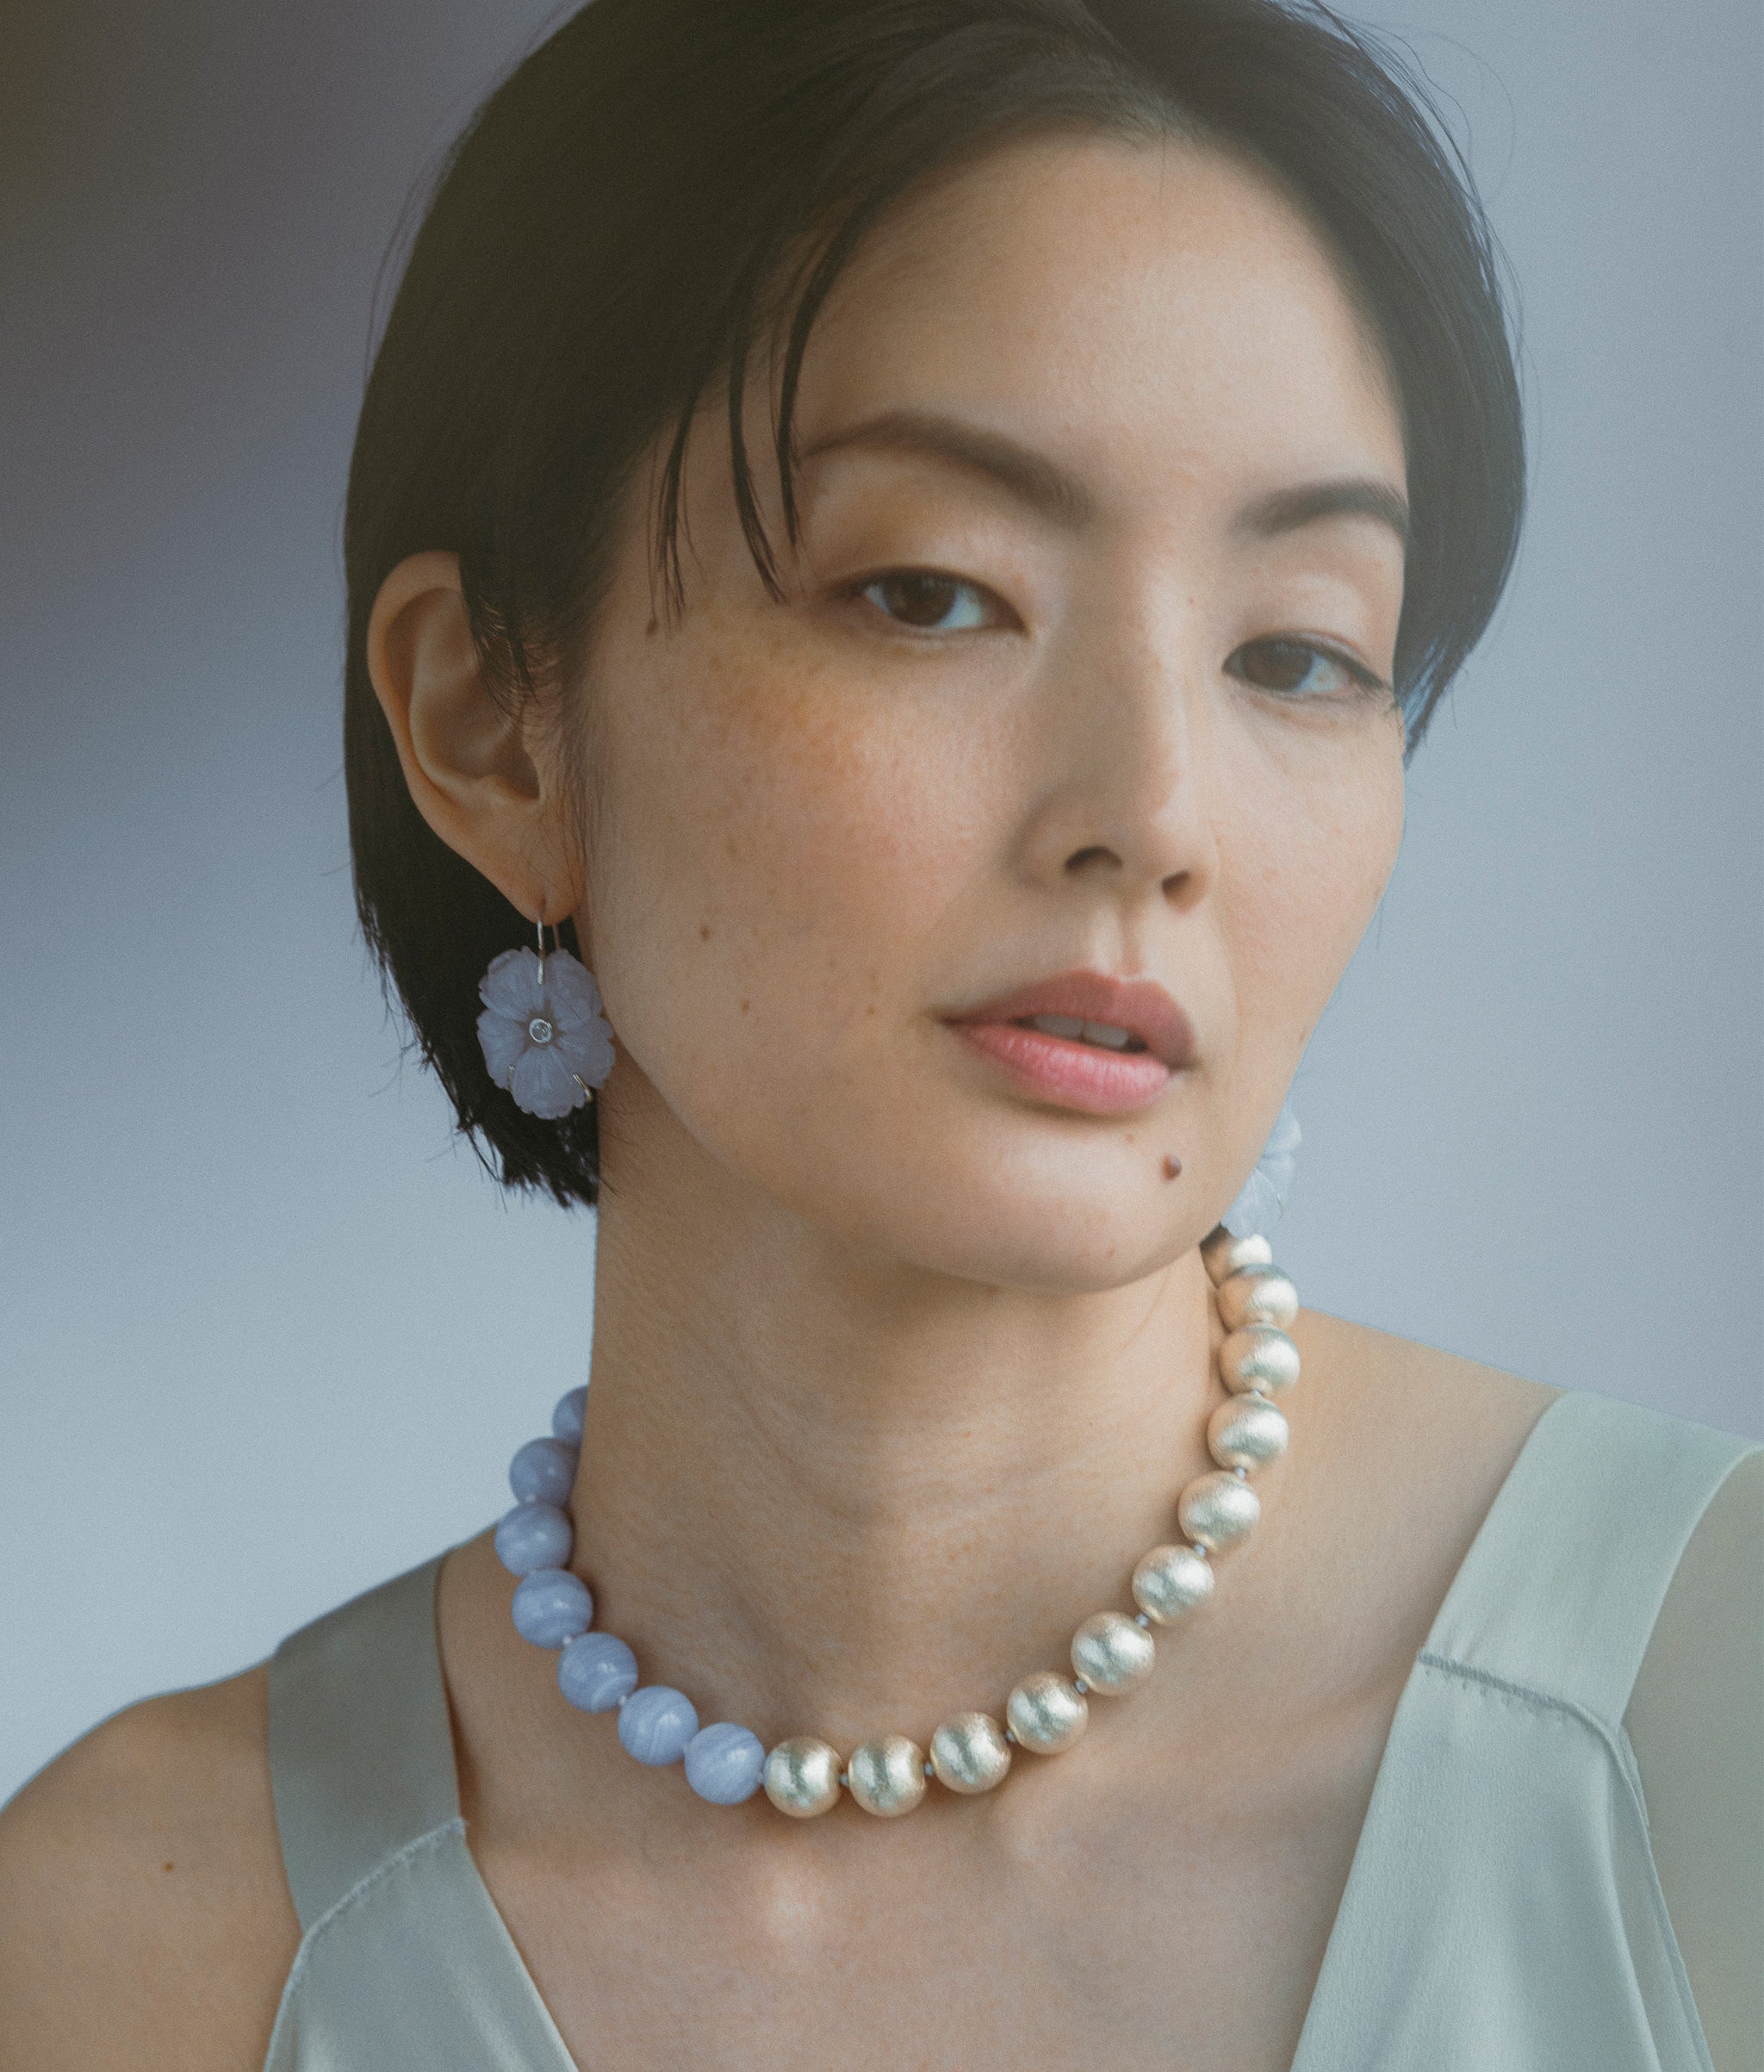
(542,1032)
(1256,1209)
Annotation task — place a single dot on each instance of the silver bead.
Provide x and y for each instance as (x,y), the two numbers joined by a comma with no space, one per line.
(1111,1654)
(1246,1432)
(886,1775)
(970,1753)
(1171,1581)
(1259,1356)
(1222,1254)
(802,1777)
(1046,1712)
(1217,1510)
(1257,1294)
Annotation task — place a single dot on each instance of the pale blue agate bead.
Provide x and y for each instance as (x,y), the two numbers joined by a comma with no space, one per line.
(567,1418)
(544,1472)
(595,1671)
(552,1606)
(724,1763)
(534,1535)
(655,1723)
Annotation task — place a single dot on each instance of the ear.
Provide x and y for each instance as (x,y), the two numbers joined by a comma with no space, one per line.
(466,761)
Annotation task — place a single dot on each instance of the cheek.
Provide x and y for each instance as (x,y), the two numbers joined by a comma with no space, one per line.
(1301,879)
(774,849)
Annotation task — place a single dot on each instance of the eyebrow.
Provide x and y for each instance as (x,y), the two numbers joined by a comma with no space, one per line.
(1287,510)
(1044,487)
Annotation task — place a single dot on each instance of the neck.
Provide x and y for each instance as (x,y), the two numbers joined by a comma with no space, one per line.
(833,1494)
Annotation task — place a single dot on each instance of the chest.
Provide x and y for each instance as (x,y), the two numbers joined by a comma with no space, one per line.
(1162,1907)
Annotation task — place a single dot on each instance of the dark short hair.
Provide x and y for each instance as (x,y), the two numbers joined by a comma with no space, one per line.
(625,221)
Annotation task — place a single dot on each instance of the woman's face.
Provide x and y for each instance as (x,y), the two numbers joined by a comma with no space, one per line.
(1082,669)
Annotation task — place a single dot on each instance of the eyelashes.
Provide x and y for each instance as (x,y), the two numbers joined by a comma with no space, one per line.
(926,601)
(934,602)
(1286,667)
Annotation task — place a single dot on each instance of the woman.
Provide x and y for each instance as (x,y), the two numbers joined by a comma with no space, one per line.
(916,540)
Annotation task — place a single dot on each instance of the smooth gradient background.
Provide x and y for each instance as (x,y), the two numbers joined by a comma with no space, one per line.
(267,1334)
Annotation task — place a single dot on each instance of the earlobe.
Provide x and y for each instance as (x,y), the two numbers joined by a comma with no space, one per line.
(462,752)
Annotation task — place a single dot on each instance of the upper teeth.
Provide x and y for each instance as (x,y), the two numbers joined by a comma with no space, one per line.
(1089,1032)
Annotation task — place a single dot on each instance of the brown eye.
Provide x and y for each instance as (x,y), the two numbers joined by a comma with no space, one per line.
(1297,668)
(927,601)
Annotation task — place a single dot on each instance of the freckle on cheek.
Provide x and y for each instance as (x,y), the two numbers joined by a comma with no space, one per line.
(704,931)
(747,1006)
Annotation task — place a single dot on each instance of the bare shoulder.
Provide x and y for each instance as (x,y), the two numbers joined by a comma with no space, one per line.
(1411,1443)
(1696,1720)
(1436,1417)
(144,1917)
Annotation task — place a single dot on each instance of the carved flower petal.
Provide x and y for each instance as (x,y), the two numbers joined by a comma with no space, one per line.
(503,1042)
(570,988)
(542,1085)
(511,984)
(1256,1210)
(1284,1139)
(586,1049)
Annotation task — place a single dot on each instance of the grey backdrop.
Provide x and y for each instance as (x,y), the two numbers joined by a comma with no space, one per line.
(266,1335)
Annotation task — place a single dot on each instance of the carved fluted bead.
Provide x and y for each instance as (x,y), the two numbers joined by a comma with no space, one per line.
(802,1777)
(1259,1356)
(1171,1582)
(886,1775)
(1217,1510)
(1257,1294)
(1223,1254)
(1113,1653)
(1046,1712)
(1246,1432)
(970,1753)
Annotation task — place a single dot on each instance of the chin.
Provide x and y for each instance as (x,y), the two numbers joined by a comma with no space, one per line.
(1075,1219)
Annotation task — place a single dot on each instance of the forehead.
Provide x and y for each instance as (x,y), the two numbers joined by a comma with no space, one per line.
(1151,312)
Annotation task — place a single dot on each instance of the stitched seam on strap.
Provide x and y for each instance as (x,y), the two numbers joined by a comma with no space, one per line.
(1506,1686)
(1617,1747)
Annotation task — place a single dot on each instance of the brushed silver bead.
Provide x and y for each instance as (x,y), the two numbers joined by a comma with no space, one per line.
(802,1777)
(1111,1653)
(886,1775)
(1171,1582)
(1217,1510)
(1223,1254)
(970,1753)
(1257,1294)
(1247,1433)
(1046,1712)
(1259,1356)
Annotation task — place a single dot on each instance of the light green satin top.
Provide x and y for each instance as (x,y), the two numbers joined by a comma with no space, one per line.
(1502,1909)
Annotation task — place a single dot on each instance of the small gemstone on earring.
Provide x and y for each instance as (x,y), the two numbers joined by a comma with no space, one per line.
(539,1029)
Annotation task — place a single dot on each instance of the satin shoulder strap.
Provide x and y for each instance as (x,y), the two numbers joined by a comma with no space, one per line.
(360,1753)
(1560,1589)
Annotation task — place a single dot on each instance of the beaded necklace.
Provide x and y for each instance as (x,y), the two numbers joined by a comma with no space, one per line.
(1112,1653)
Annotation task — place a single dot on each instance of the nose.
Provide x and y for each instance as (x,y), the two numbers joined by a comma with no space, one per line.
(1119,754)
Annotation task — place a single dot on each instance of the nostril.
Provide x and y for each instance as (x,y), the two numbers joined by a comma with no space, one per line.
(1082,859)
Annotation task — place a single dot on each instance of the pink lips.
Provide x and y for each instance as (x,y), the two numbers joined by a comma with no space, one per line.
(1069,1071)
